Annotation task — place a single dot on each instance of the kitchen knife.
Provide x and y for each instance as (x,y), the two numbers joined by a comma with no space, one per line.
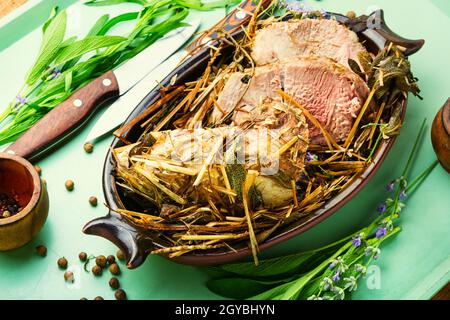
(71,114)
(118,112)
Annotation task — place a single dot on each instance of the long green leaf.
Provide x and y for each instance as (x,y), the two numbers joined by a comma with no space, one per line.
(86,45)
(52,39)
(98,3)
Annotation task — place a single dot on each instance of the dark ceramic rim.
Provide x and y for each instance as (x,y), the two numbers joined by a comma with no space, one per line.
(36,190)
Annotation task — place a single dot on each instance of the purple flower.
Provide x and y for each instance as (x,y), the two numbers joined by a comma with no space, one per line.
(294,6)
(356,241)
(336,277)
(333,264)
(21,99)
(56,74)
(310,157)
(382,207)
(381,232)
(390,186)
(324,13)
(403,195)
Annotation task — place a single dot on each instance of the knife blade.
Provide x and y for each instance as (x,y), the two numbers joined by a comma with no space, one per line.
(63,121)
(118,112)
(114,116)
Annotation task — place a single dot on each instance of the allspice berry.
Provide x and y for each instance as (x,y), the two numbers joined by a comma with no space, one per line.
(82,256)
(68,276)
(114,269)
(69,185)
(101,261)
(351,14)
(114,283)
(62,263)
(120,294)
(41,250)
(111,259)
(93,201)
(88,147)
(120,255)
(97,271)
(99,298)
(38,169)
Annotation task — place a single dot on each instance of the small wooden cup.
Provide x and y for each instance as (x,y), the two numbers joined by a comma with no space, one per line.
(19,177)
(440,135)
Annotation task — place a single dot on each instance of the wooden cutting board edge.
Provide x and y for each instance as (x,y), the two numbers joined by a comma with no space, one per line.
(6,6)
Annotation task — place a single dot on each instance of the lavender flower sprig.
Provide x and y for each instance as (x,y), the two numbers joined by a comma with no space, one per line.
(330,272)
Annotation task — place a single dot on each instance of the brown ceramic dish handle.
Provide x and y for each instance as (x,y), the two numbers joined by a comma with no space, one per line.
(232,22)
(375,23)
(66,117)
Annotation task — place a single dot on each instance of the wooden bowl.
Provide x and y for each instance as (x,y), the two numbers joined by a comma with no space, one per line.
(136,242)
(440,135)
(19,177)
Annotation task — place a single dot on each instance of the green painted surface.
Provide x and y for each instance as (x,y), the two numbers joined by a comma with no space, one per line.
(413,265)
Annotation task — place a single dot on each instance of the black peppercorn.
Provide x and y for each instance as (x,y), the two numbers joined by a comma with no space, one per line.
(41,250)
(82,256)
(96,270)
(114,269)
(62,263)
(68,276)
(83,298)
(101,261)
(114,283)
(111,259)
(120,294)
(99,298)
(120,255)
(93,201)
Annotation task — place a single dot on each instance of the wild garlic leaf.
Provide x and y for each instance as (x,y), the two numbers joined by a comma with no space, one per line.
(68,81)
(240,288)
(120,18)
(86,45)
(97,3)
(53,14)
(99,25)
(51,41)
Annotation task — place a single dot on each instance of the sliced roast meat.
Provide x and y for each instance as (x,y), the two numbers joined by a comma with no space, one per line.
(320,37)
(331,92)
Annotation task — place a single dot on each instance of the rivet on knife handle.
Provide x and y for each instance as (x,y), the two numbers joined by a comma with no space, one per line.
(67,116)
(239,16)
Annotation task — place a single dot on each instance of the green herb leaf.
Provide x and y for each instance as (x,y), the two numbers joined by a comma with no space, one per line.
(241,288)
(98,3)
(79,48)
(52,39)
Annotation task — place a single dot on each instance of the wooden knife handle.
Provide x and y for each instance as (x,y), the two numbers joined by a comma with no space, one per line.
(67,116)
(239,16)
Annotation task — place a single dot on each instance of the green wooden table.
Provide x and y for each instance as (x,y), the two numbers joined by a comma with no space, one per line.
(414,265)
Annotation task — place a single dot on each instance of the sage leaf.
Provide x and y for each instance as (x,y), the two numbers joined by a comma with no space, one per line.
(52,39)
(81,47)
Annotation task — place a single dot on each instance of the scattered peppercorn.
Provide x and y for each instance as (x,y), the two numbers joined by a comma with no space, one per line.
(120,255)
(38,169)
(114,283)
(93,201)
(97,271)
(351,14)
(114,269)
(101,261)
(83,298)
(99,298)
(82,256)
(120,294)
(111,259)
(9,205)
(88,147)
(41,250)
(69,185)
(68,276)
(62,263)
